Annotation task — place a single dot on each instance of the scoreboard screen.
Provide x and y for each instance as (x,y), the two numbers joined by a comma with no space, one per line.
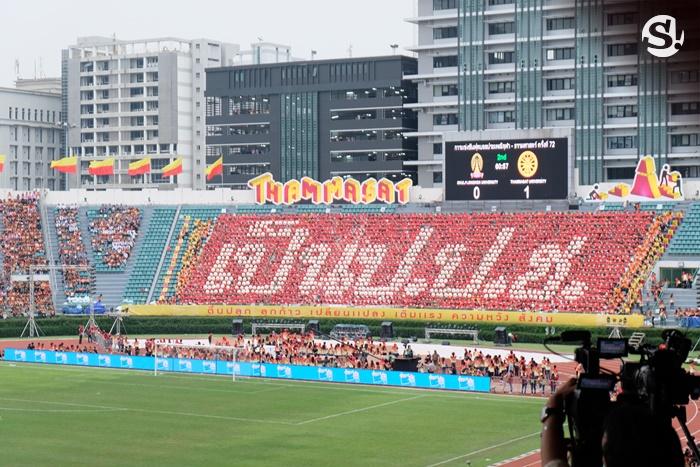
(507,169)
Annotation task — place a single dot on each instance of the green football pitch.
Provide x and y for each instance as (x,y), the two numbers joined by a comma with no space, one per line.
(69,416)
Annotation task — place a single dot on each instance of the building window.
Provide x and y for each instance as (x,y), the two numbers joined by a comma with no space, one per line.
(689,76)
(685,108)
(501,2)
(445,119)
(498,87)
(444,4)
(560,84)
(497,58)
(445,62)
(502,116)
(445,90)
(448,32)
(622,111)
(621,173)
(437,177)
(437,148)
(691,139)
(618,19)
(563,53)
(621,142)
(618,50)
(561,114)
(615,81)
(507,27)
(556,24)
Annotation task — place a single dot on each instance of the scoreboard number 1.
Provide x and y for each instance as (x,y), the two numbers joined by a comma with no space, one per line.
(527,192)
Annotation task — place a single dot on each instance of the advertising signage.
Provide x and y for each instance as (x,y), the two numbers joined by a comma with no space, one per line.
(518,169)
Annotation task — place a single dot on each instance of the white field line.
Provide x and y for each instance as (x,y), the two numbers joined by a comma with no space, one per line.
(362,409)
(320,385)
(479,451)
(152,411)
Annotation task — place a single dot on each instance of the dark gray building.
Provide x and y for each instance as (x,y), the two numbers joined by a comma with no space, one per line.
(318,118)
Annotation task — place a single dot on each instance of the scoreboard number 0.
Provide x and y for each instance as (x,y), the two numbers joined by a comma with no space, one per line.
(477,192)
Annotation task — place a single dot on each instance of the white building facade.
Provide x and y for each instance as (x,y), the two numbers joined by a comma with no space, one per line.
(129,100)
(30,138)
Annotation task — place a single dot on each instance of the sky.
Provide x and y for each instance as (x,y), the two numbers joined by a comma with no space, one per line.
(35,31)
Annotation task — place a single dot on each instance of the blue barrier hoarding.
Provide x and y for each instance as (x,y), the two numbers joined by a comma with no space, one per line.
(250,369)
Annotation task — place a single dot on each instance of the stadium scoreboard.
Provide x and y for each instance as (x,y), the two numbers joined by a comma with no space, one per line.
(518,169)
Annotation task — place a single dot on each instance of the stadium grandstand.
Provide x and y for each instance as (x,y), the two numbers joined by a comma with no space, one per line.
(589,261)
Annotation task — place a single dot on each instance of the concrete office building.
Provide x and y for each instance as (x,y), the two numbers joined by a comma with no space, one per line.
(524,64)
(132,99)
(29,138)
(323,118)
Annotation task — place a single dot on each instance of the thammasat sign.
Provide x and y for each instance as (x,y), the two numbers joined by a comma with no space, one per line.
(349,190)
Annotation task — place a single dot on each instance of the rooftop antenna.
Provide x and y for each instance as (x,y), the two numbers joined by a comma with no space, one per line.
(17,68)
(350,51)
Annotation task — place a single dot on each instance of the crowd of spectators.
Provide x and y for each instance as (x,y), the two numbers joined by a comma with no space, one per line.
(114,232)
(685,281)
(22,247)
(72,252)
(511,373)
(628,293)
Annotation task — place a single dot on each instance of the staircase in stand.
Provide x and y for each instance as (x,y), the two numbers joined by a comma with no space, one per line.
(111,285)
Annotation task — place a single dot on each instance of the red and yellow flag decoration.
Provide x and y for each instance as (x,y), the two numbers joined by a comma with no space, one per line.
(67,165)
(140,167)
(174,168)
(2,162)
(104,167)
(216,169)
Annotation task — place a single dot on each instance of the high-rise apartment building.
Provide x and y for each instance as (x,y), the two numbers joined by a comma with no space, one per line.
(528,64)
(129,100)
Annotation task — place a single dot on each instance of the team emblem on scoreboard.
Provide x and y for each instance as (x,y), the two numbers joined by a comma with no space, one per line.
(527,164)
(477,165)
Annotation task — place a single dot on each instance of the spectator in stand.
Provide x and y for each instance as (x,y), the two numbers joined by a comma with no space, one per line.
(22,247)
(72,252)
(114,233)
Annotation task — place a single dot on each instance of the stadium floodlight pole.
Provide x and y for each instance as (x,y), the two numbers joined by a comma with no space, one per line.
(31,326)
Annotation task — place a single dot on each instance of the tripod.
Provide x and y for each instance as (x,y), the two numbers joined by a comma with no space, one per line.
(679,413)
(32,327)
(117,325)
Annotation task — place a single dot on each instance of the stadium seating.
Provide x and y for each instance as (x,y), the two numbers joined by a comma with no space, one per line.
(22,247)
(71,250)
(687,240)
(191,230)
(141,278)
(113,230)
(523,261)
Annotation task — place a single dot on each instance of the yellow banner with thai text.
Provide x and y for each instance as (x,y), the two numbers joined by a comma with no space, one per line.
(392,314)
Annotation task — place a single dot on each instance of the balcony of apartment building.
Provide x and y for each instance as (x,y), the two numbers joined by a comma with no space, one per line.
(393,96)
(240,153)
(258,133)
(237,110)
(366,139)
(685,110)
(358,161)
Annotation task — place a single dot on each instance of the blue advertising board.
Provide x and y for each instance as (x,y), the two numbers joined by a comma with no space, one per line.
(261,370)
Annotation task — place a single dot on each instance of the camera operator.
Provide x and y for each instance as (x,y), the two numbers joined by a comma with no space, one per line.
(632,436)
